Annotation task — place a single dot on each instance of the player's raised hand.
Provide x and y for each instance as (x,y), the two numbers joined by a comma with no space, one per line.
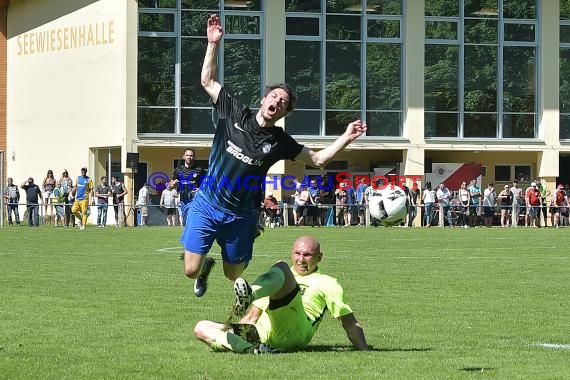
(355,129)
(214,29)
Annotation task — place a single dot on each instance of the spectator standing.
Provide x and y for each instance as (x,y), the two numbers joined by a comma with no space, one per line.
(369,192)
(326,197)
(12,198)
(560,200)
(517,199)
(83,192)
(47,186)
(489,203)
(361,201)
(271,209)
(119,190)
(544,194)
(564,210)
(313,209)
(295,197)
(102,192)
(341,197)
(444,196)
(33,200)
(65,184)
(169,200)
(58,201)
(475,197)
(304,201)
(464,200)
(413,210)
(505,202)
(533,201)
(428,200)
(350,201)
(143,200)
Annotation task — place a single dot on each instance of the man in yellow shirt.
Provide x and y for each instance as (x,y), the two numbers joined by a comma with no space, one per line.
(83,191)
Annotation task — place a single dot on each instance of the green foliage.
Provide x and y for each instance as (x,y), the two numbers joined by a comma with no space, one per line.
(242,70)
(156,71)
(449,8)
(158,3)
(565,9)
(434,303)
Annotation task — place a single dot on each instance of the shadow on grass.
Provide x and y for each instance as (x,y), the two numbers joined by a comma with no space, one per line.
(476,369)
(330,348)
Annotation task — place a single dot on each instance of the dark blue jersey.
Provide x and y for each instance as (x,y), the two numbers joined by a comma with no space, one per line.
(188,181)
(242,153)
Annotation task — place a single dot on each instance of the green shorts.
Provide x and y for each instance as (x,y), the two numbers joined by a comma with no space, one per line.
(286,326)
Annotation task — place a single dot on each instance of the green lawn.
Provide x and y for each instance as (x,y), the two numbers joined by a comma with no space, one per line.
(435,303)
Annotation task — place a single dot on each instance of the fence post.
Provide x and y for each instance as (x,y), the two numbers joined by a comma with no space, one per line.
(1,188)
(285,215)
(514,215)
(441,216)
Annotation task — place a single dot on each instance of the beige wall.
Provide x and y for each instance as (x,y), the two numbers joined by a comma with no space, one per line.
(68,86)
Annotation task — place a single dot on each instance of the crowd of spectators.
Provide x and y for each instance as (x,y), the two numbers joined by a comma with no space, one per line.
(469,206)
(64,202)
(311,204)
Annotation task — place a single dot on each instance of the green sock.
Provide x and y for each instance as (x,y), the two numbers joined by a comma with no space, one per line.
(230,341)
(268,283)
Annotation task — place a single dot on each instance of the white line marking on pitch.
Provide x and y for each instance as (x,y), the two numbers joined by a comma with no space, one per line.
(557,346)
(179,250)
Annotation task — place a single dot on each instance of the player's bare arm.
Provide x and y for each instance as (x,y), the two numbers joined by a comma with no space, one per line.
(209,67)
(252,316)
(354,332)
(322,157)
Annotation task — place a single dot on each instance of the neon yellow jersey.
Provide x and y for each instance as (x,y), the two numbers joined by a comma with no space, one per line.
(321,292)
(292,326)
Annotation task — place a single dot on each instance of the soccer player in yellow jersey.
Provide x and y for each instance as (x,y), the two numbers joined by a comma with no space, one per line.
(83,191)
(287,307)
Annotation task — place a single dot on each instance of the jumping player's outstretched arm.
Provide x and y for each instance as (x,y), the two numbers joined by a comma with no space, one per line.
(209,67)
(324,156)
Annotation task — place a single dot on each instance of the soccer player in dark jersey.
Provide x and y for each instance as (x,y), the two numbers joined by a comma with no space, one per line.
(187,177)
(245,146)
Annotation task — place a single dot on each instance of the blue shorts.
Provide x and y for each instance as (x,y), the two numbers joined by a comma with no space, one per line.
(234,233)
(184,207)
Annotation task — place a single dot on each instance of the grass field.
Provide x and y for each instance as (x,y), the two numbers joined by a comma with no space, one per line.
(434,303)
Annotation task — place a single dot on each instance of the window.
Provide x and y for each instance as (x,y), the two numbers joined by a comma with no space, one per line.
(506,173)
(344,59)
(480,69)
(503,173)
(172,42)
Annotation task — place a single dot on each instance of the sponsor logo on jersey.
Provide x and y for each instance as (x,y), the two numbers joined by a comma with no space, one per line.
(236,151)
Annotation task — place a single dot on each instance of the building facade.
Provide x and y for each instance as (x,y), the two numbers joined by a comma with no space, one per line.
(437,81)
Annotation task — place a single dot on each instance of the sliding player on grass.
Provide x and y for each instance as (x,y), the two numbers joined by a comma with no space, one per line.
(287,307)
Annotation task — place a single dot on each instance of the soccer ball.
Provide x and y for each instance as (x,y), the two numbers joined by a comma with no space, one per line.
(389,206)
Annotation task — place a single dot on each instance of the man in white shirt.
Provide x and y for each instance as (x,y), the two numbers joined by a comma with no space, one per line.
(444,196)
(143,201)
(489,203)
(517,199)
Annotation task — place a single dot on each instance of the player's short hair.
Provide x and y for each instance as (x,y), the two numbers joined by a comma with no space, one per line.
(285,87)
